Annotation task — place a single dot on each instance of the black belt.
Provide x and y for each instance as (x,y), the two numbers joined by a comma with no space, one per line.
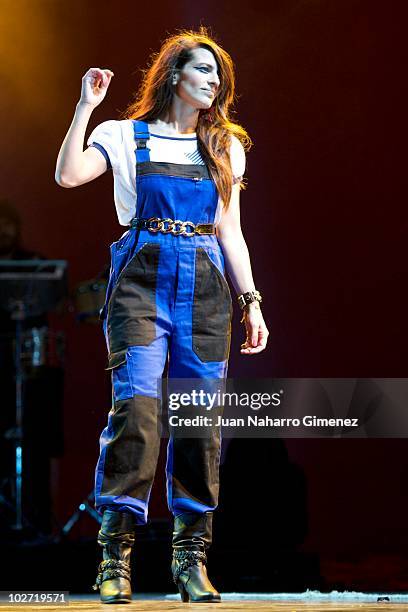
(168,226)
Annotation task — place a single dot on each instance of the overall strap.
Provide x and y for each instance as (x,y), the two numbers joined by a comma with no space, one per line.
(141,135)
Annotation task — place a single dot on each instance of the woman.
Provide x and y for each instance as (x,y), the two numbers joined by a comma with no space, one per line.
(178,162)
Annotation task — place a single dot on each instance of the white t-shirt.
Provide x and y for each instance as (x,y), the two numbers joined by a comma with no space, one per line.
(117,140)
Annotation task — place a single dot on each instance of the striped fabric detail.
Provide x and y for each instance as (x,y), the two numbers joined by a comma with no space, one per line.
(195,157)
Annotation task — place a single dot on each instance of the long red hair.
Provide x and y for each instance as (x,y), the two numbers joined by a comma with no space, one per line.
(214,128)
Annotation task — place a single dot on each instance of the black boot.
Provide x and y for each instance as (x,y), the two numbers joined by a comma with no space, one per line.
(117,535)
(191,538)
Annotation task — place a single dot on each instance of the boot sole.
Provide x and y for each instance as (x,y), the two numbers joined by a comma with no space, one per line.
(116,601)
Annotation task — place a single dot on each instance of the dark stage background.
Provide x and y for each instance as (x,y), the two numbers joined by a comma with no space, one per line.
(321,88)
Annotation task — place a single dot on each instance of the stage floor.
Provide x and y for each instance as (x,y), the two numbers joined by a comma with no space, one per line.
(273,602)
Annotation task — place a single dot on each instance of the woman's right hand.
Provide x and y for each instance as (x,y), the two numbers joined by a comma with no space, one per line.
(95,84)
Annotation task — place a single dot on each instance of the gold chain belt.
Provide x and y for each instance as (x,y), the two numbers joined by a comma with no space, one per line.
(168,226)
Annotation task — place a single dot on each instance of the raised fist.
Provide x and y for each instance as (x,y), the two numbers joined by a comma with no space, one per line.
(95,84)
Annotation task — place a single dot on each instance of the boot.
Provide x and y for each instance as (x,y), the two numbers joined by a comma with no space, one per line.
(191,537)
(117,535)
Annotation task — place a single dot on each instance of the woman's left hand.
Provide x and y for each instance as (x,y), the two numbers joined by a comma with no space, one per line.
(256,331)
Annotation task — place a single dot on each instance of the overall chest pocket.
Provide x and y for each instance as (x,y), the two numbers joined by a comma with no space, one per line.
(212,310)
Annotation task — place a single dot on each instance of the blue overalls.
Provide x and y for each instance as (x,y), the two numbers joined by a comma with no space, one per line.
(167,296)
